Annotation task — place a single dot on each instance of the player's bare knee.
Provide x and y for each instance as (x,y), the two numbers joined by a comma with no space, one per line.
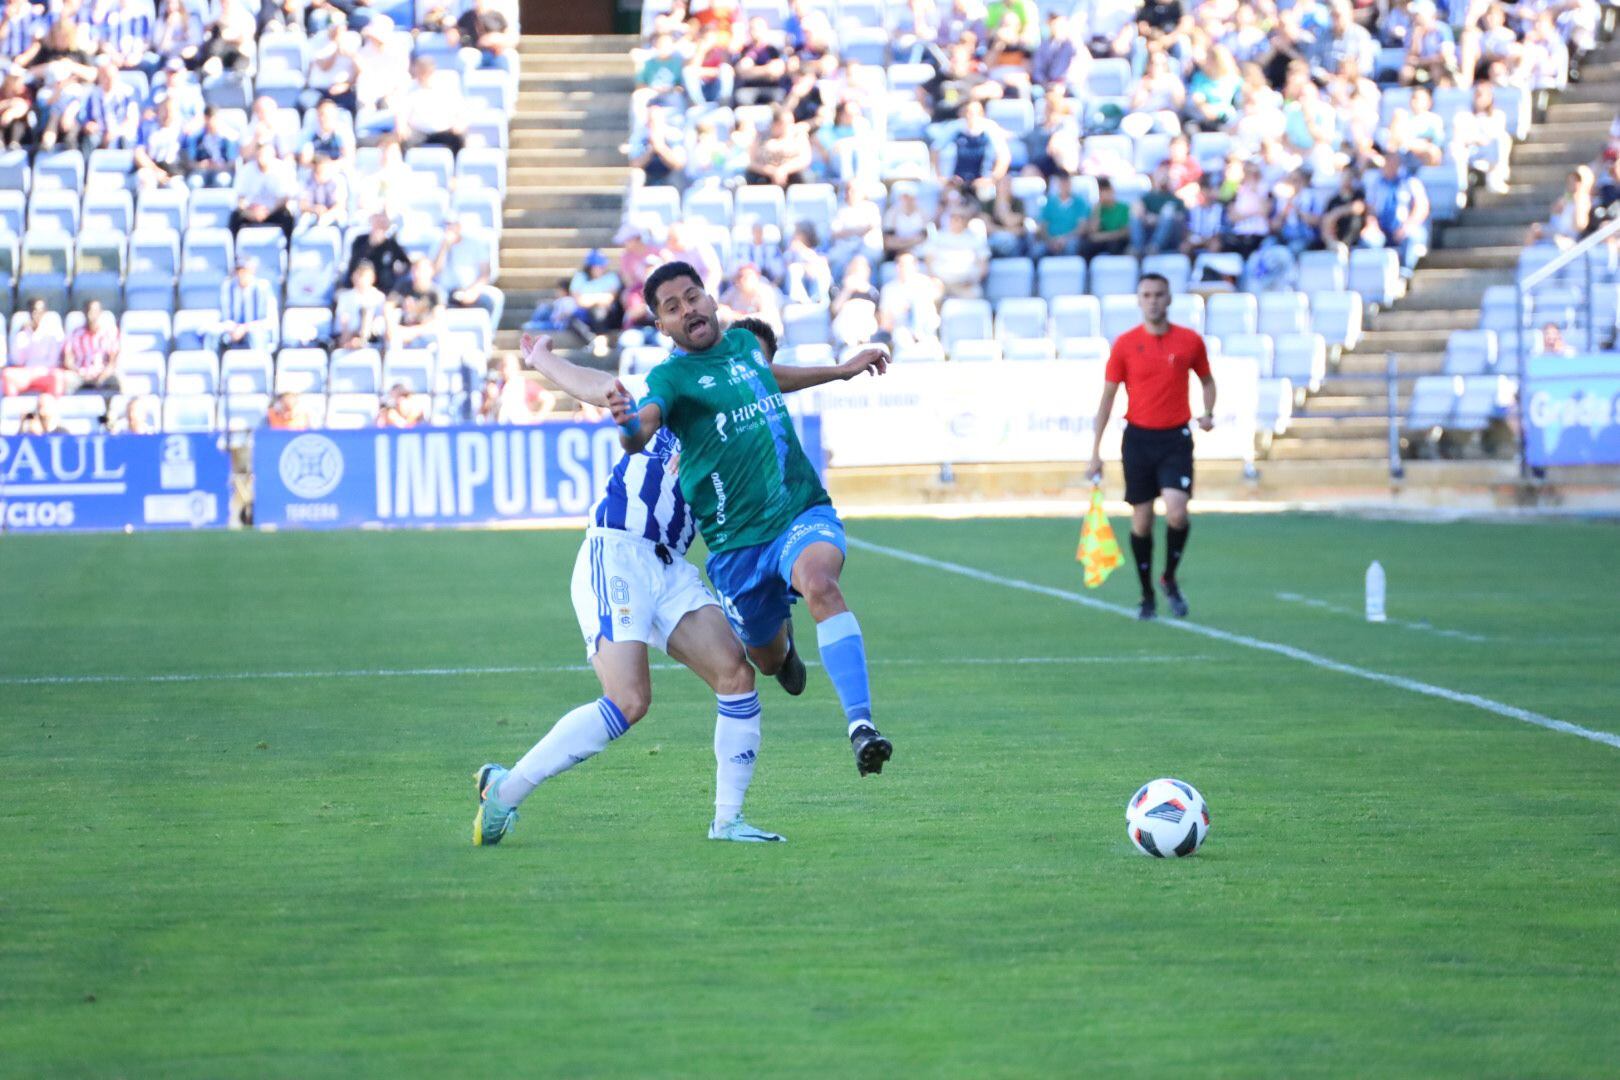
(822,593)
(1176,519)
(632,703)
(736,679)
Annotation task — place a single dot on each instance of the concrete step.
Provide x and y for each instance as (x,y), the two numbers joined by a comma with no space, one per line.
(1363,370)
(551,200)
(1318,449)
(557,95)
(1339,429)
(565,156)
(1378,342)
(1404,318)
(1467,234)
(1549,173)
(541,138)
(1572,152)
(1515,215)
(538,277)
(581,217)
(1488,258)
(613,77)
(568,44)
(524,257)
(563,235)
(552,177)
(570,118)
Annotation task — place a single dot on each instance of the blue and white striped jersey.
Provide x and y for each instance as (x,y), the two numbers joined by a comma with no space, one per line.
(643,497)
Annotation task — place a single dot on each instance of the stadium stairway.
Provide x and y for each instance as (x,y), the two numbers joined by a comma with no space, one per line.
(1346,419)
(566,169)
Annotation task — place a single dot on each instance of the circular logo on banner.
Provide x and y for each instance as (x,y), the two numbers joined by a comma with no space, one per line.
(311,466)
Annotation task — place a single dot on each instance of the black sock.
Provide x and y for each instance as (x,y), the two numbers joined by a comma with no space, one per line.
(1142,550)
(1175,540)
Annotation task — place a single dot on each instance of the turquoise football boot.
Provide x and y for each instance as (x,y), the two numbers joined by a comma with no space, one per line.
(495,819)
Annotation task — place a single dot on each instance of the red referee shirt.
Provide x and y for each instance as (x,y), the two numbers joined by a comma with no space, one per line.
(1154,372)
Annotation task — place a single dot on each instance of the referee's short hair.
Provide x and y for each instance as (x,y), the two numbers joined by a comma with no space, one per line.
(1153,277)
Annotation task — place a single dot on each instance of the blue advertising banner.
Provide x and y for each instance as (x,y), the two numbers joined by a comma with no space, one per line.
(1572,410)
(438,476)
(70,483)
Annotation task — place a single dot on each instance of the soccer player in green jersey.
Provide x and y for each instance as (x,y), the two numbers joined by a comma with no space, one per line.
(769,525)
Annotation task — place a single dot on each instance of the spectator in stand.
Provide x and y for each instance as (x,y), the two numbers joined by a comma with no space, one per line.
(35,356)
(514,396)
(464,265)
(908,306)
(958,256)
(160,153)
(595,291)
(416,309)
(751,294)
(854,307)
(1158,20)
(1007,227)
(212,154)
(1417,133)
(1011,53)
(112,111)
(46,419)
(126,35)
(708,75)
(20,28)
(1342,39)
(485,29)
(177,34)
(1482,139)
(382,66)
(265,125)
(809,276)
(976,148)
(1398,213)
(1552,342)
(1431,50)
(1158,227)
(1248,216)
(636,260)
(401,408)
(247,309)
(1214,89)
(1110,26)
(265,189)
(174,84)
(659,152)
(783,156)
(962,78)
(382,249)
(966,17)
(659,82)
(334,65)
(761,70)
(1296,212)
(325,198)
(1244,37)
(62,75)
(707,159)
(141,417)
(685,244)
(327,139)
(1355,101)
(1061,217)
(287,413)
(1057,60)
(1053,144)
(1160,93)
(1206,218)
(17,118)
(1107,230)
(1546,57)
(228,38)
(841,141)
(764,251)
(905,225)
(434,111)
(856,228)
(1571,214)
(361,318)
(90,357)
(1345,217)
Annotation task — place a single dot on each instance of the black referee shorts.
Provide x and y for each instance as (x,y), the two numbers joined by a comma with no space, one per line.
(1156,459)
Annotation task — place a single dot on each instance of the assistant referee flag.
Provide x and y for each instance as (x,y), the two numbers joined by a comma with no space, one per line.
(1098,551)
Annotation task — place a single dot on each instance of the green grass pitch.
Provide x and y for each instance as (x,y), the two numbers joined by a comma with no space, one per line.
(242,876)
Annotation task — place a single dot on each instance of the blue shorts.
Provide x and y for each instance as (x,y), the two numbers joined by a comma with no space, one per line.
(756,583)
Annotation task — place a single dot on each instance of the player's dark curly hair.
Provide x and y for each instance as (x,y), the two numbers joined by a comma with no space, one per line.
(662,276)
(761,330)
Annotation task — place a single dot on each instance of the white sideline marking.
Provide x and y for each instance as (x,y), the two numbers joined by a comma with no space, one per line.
(557,669)
(1512,712)
(1338,609)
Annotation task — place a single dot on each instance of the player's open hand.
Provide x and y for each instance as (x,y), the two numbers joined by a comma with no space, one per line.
(532,345)
(873,359)
(621,405)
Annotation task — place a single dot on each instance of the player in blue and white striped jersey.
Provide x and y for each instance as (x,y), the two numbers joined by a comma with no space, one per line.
(633,588)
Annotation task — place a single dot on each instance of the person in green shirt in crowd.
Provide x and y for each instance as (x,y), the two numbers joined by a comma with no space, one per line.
(1108,230)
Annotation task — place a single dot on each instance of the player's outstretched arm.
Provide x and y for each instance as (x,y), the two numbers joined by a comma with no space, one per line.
(791,377)
(583,383)
(637,423)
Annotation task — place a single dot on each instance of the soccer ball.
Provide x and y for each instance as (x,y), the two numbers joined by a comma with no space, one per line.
(1167,819)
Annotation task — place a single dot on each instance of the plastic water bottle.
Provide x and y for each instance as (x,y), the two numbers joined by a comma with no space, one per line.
(1375,592)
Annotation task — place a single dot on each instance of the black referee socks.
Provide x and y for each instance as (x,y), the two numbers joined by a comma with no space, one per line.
(1142,550)
(1174,541)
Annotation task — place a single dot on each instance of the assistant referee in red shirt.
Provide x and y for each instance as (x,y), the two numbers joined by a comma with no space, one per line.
(1152,362)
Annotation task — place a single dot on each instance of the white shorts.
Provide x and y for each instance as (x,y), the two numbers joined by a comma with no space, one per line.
(623,591)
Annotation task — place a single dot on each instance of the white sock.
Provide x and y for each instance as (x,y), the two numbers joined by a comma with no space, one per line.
(577,737)
(736,746)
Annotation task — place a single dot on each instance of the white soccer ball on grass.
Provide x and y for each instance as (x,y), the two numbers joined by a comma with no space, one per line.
(1167,819)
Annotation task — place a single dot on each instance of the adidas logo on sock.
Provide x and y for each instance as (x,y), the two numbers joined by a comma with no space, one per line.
(744,758)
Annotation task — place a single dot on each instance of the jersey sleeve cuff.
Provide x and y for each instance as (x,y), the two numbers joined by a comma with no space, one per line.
(654,399)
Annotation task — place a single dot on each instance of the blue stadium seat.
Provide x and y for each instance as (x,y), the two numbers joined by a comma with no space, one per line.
(971,350)
(110,169)
(1337,316)
(1113,275)
(762,202)
(963,319)
(1010,277)
(1076,316)
(1284,313)
(1256,347)
(189,413)
(108,211)
(1231,313)
(206,258)
(710,204)
(145,331)
(1061,275)
(211,208)
(305,327)
(15,174)
(194,326)
(412,368)
(1120,312)
(51,211)
(1021,317)
(1470,352)
(300,371)
(193,371)
(1175,267)
(245,371)
(1375,273)
(1302,359)
(355,371)
(59,170)
(1187,309)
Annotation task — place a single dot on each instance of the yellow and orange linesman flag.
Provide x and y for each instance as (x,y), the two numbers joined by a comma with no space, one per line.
(1098,551)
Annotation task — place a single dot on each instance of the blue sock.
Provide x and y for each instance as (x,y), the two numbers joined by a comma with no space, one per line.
(843,654)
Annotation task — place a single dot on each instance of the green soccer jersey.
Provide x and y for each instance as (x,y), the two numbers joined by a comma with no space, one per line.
(742,469)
